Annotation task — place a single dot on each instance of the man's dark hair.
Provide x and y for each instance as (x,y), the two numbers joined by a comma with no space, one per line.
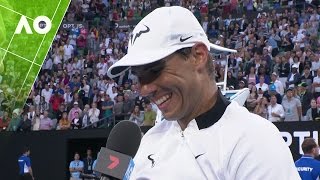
(25,149)
(273,95)
(308,144)
(185,52)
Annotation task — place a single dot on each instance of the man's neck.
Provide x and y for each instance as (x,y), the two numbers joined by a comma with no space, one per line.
(208,100)
(310,155)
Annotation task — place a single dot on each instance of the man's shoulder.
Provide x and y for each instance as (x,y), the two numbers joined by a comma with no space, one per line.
(278,105)
(243,123)
(316,163)
(307,161)
(22,157)
(234,110)
(246,136)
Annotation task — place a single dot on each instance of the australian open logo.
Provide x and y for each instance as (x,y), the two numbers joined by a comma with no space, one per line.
(41,25)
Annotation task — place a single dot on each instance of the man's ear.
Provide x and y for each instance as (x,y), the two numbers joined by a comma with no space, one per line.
(200,56)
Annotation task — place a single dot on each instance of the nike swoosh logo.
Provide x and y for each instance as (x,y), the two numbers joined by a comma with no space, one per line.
(199,155)
(184,39)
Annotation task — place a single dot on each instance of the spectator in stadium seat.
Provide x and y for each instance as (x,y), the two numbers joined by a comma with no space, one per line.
(43,105)
(307,166)
(139,102)
(128,106)
(137,116)
(46,93)
(86,88)
(275,110)
(273,91)
(305,98)
(85,116)
(76,98)
(15,121)
(313,113)
(76,167)
(294,77)
(307,78)
(241,84)
(25,124)
(252,76)
(240,77)
(55,101)
(284,70)
(76,122)
(133,93)
(118,108)
(67,96)
(94,113)
(61,110)
(107,109)
(262,85)
(231,80)
(262,108)
(278,84)
(112,89)
(315,64)
(74,110)
(262,71)
(4,121)
(252,99)
(68,50)
(45,122)
(149,116)
(64,123)
(292,106)
(32,113)
(316,84)
(36,121)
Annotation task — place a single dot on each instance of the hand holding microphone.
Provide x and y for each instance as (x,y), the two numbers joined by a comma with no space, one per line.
(115,161)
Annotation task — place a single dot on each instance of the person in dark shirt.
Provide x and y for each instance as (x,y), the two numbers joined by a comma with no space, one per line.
(307,77)
(139,101)
(231,81)
(305,98)
(25,124)
(273,91)
(88,162)
(76,123)
(284,68)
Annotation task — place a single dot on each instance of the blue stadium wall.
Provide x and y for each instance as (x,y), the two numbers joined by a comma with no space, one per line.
(51,151)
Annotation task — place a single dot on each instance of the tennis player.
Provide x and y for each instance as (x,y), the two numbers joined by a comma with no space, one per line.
(203,136)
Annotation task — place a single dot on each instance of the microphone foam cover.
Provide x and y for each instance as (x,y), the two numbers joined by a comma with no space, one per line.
(125,138)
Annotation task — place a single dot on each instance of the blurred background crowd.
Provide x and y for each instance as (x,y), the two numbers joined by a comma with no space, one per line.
(278,59)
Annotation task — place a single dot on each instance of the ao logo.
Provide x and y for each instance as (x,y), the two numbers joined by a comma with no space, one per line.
(42,25)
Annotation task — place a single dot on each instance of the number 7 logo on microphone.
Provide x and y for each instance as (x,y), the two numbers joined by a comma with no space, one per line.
(114,162)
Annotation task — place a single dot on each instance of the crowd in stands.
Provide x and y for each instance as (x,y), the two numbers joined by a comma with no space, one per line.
(278,59)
